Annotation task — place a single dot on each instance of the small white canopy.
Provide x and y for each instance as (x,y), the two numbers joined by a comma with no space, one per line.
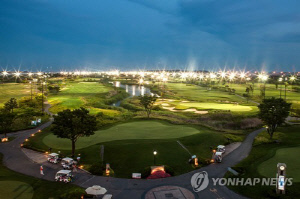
(53,154)
(96,190)
(221,146)
(67,159)
(64,171)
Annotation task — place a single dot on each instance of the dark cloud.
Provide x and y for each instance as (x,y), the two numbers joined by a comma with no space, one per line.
(149,34)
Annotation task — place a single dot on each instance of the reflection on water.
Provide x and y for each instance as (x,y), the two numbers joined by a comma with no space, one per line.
(133,90)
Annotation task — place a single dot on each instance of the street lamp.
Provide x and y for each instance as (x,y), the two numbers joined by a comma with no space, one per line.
(154,157)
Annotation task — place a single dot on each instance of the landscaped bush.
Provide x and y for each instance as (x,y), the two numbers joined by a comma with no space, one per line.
(146,172)
(169,170)
(97,168)
(73,194)
(157,108)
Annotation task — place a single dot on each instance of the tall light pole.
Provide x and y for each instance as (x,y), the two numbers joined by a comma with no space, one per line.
(44,83)
(30,90)
(165,79)
(154,157)
(292,79)
(280,82)
(264,79)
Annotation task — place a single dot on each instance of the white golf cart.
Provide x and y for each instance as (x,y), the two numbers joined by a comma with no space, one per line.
(218,156)
(53,158)
(67,163)
(64,176)
(221,148)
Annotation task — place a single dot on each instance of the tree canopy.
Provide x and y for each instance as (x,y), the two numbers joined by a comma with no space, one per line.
(11,104)
(74,124)
(273,113)
(6,121)
(147,101)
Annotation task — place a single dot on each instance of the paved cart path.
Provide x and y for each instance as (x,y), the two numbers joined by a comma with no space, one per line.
(15,159)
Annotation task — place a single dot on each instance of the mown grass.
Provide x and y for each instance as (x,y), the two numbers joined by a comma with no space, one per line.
(13,90)
(75,94)
(201,94)
(126,131)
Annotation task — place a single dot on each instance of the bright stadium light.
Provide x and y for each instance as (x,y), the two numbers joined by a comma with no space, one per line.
(263,77)
(293,78)
(212,75)
(242,75)
(223,75)
(17,74)
(201,76)
(4,73)
(231,76)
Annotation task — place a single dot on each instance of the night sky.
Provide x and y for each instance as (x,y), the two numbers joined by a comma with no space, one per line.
(59,35)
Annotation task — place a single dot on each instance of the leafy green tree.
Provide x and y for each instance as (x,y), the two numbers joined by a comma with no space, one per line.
(263,91)
(11,104)
(273,113)
(6,121)
(147,101)
(73,125)
(53,88)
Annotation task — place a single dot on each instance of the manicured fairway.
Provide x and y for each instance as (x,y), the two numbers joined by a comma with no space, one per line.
(285,155)
(199,93)
(15,189)
(126,131)
(231,107)
(75,95)
(9,90)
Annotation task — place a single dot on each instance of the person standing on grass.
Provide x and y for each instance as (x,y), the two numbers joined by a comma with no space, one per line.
(42,170)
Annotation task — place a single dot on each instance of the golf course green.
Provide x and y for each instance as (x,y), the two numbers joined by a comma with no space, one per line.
(284,155)
(75,95)
(231,107)
(126,131)
(13,90)
(15,189)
